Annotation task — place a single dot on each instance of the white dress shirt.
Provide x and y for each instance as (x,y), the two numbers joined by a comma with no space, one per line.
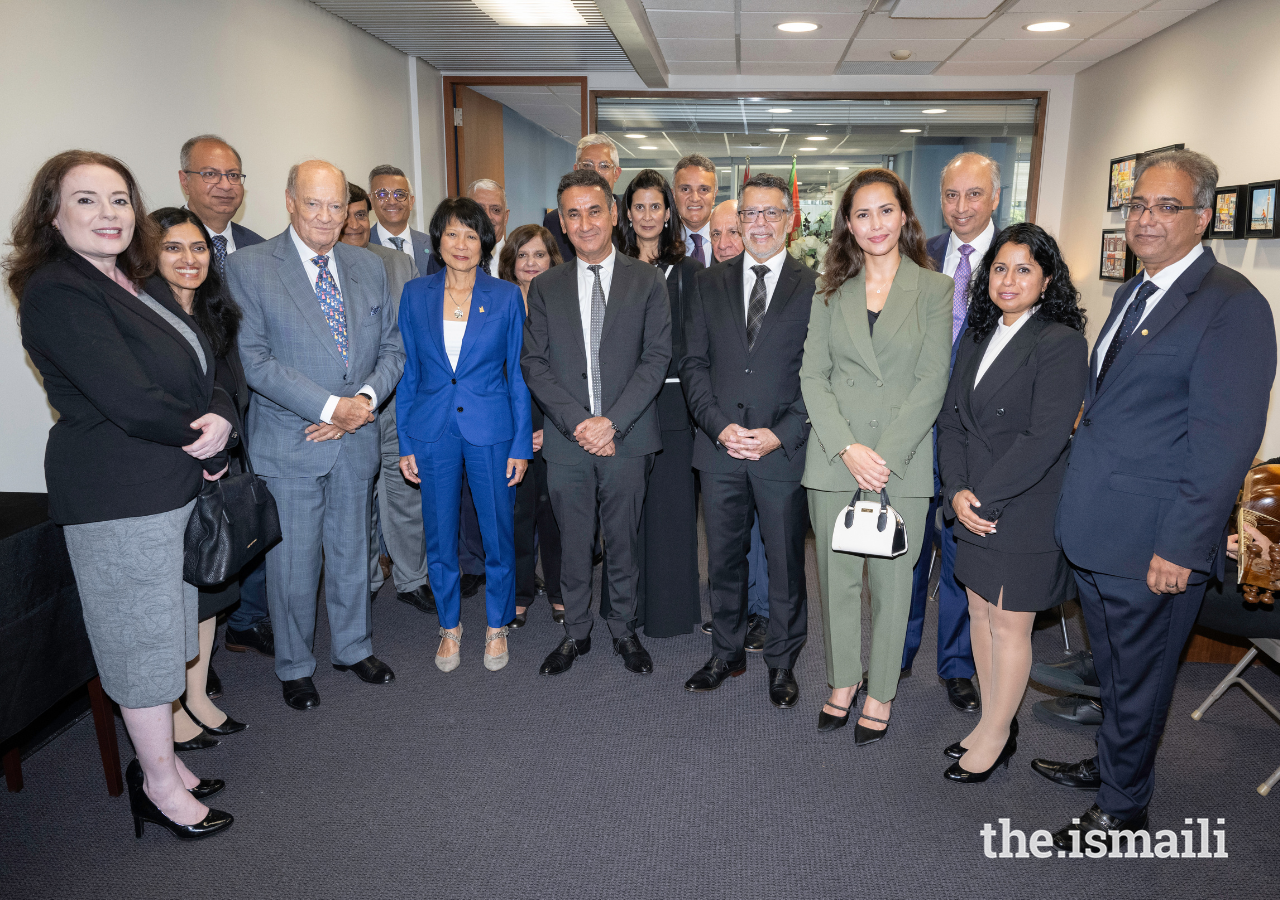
(493,262)
(586,283)
(705,231)
(770,279)
(231,241)
(1163,281)
(981,244)
(384,238)
(313,274)
(999,340)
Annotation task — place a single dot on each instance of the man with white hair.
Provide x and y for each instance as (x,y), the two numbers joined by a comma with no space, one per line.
(492,197)
(598,153)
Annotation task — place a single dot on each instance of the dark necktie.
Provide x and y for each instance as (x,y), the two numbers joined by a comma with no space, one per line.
(398,242)
(331,304)
(597,325)
(756,306)
(698,252)
(220,254)
(1132,316)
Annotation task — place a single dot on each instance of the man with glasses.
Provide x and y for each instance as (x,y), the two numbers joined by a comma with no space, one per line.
(1163,443)
(393,200)
(492,198)
(596,153)
(694,184)
(744,331)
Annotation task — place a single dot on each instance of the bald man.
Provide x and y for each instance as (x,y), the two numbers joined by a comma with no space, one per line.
(726,240)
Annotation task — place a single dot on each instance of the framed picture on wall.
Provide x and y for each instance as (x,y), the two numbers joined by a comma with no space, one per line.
(1228,214)
(1132,265)
(1114,263)
(1260,209)
(1120,186)
(1162,149)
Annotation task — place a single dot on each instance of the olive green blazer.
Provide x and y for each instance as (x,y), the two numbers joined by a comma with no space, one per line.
(884,391)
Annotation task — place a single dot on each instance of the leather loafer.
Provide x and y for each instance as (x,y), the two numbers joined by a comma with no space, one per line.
(1095,819)
(1082,775)
(714,673)
(301,693)
(784,690)
(420,597)
(1069,712)
(561,659)
(706,627)
(259,638)
(470,584)
(213,685)
(757,631)
(370,670)
(634,656)
(1075,673)
(963,695)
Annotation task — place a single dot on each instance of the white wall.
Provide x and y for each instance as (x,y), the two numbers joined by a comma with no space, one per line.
(1208,82)
(282,80)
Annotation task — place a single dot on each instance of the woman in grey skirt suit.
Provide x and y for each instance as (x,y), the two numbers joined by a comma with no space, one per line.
(1020,377)
(141,426)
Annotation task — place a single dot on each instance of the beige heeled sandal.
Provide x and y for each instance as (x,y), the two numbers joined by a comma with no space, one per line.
(494,663)
(449,663)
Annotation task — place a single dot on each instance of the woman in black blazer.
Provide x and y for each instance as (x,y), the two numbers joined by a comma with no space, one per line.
(141,426)
(1014,395)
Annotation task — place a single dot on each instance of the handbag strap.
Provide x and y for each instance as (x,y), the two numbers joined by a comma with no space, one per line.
(244,441)
(882,521)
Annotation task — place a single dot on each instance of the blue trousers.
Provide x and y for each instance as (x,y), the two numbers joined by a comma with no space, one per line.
(440,466)
(955,654)
(757,573)
(252,607)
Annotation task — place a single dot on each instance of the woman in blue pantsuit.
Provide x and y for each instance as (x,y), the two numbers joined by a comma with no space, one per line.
(463,410)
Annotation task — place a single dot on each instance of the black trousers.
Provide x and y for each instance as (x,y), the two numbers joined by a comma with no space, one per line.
(534,517)
(1137,637)
(669,602)
(728,503)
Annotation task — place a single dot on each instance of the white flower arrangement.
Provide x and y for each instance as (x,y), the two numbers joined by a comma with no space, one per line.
(809,250)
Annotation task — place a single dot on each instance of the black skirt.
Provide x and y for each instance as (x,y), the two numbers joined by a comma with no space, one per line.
(1032,582)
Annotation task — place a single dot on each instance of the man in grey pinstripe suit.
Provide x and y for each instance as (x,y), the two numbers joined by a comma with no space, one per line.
(320,348)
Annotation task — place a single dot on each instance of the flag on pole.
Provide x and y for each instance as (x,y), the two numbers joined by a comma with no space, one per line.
(793,233)
(746,175)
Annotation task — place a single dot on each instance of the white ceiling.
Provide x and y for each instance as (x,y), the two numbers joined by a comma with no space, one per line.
(556,107)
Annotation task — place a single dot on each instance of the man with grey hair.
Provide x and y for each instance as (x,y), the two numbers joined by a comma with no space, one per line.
(598,153)
(393,202)
(492,197)
(1164,441)
(694,185)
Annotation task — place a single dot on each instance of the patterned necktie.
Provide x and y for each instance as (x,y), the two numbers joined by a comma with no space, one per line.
(597,325)
(1132,316)
(220,254)
(331,303)
(960,299)
(398,243)
(755,308)
(698,253)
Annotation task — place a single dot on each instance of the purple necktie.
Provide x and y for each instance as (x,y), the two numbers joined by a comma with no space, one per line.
(331,303)
(960,299)
(697,249)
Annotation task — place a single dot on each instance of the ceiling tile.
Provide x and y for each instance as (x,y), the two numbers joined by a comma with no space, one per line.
(986,68)
(761,67)
(1144,24)
(872,50)
(672,24)
(1011,51)
(710,50)
(1070,6)
(793,51)
(887,67)
(1181,4)
(702,67)
(1063,67)
(794,9)
(882,26)
(937,9)
(1010,26)
(763,26)
(1095,49)
(714,5)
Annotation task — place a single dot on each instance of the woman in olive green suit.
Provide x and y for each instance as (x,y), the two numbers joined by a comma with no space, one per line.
(873,378)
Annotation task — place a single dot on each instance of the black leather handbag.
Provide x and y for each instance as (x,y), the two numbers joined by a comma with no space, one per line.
(234,519)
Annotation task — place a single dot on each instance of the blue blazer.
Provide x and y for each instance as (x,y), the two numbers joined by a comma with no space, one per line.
(423,258)
(1162,448)
(487,390)
(244,237)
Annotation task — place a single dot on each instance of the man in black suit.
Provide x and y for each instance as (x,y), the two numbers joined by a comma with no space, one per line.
(744,329)
(597,342)
(212,178)
(595,153)
(1156,462)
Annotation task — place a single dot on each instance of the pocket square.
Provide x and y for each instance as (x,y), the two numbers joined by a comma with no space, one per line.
(374,310)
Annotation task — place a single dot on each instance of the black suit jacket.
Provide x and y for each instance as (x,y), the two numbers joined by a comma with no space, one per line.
(635,349)
(673,410)
(1007,439)
(551,222)
(244,237)
(126,386)
(759,388)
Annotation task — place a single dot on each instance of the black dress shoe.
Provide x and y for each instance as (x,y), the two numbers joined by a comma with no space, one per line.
(370,670)
(713,674)
(561,659)
(520,619)
(963,696)
(259,638)
(213,685)
(557,616)
(201,741)
(470,584)
(301,693)
(957,773)
(231,726)
(784,691)
(757,630)
(956,750)
(1095,819)
(1075,673)
(420,597)
(539,586)
(706,627)
(207,788)
(634,656)
(1069,712)
(144,810)
(1083,775)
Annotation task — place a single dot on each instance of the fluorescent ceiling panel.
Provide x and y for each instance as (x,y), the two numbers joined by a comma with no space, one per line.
(540,13)
(944,9)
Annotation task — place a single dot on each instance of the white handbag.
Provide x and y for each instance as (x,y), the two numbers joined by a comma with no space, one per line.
(870,528)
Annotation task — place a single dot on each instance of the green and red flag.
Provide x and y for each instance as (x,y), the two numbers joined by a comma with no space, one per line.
(793,233)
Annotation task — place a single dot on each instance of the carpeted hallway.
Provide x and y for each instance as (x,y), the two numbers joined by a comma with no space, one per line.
(603,784)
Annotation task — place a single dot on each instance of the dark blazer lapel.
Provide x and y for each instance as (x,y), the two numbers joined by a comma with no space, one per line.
(853,306)
(294,277)
(158,289)
(1007,362)
(621,286)
(482,313)
(1117,303)
(968,371)
(900,304)
(735,311)
(564,296)
(788,281)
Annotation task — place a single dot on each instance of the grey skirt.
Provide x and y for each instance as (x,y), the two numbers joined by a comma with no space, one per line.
(140,614)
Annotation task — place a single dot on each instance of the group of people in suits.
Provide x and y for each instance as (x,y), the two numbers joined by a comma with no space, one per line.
(577,384)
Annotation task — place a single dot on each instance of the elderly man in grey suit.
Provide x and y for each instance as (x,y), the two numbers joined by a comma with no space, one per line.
(320,349)
(397,508)
(597,342)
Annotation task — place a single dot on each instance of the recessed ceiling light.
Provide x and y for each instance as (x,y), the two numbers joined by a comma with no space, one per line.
(778,109)
(932,112)
(647,147)
(808,148)
(544,13)
(755,99)
(842,168)
(1049,26)
(636,135)
(822,124)
(779,130)
(816,138)
(911,131)
(797,27)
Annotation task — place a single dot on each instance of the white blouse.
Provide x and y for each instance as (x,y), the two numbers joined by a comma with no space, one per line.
(999,340)
(453,334)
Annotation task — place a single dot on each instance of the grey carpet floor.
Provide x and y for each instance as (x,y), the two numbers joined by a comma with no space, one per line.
(599,783)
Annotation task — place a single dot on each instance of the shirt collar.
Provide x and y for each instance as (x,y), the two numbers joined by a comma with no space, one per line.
(774,262)
(705,231)
(226,233)
(304,251)
(980,244)
(1165,278)
(606,264)
(385,231)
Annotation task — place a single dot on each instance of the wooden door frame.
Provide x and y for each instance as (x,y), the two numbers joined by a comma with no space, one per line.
(1037,140)
(449,88)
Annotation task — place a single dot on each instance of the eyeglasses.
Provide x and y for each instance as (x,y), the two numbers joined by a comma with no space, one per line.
(213,176)
(385,194)
(771,214)
(603,168)
(1161,212)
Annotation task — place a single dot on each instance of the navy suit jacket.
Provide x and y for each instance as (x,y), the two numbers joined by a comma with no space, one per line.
(1162,448)
(423,258)
(244,237)
(487,389)
(936,247)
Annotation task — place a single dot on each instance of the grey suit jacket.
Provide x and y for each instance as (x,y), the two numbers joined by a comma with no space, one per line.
(635,348)
(422,256)
(400,271)
(291,360)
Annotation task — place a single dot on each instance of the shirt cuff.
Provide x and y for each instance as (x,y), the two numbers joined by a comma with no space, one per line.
(326,414)
(373,395)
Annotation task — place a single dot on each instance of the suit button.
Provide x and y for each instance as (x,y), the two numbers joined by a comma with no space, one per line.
(747,371)
(453,381)
(1000,412)
(584,374)
(739,406)
(849,381)
(1086,422)
(459,409)
(955,408)
(879,384)
(874,424)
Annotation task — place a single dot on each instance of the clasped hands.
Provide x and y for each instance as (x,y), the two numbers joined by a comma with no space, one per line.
(215,432)
(350,414)
(964,503)
(595,435)
(866,466)
(748,443)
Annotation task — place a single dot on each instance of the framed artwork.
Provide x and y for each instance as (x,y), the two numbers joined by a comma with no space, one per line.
(1120,186)
(1260,209)
(1162,149)
(1114,263)
(1228,214)
(1132,265)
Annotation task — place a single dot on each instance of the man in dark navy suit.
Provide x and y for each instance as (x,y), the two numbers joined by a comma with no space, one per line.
(597,153)
(1163,443)
(970,188)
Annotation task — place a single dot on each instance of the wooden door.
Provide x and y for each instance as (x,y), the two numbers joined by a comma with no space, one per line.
(479,138)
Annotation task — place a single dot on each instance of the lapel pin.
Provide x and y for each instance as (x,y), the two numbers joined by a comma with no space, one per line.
(482,310)
(1144,331)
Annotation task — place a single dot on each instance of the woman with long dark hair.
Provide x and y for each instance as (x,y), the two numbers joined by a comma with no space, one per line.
(1019,380)
(873,376)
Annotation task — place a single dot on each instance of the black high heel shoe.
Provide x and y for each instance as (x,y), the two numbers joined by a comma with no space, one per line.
(957,750)
(231,726)
(557,615)
(519,620)
(207,788)
(962,776)
(145,810)
(862,735)
(828,722)
(201,741)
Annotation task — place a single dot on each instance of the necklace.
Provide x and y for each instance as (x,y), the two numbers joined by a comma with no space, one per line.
(457,307)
